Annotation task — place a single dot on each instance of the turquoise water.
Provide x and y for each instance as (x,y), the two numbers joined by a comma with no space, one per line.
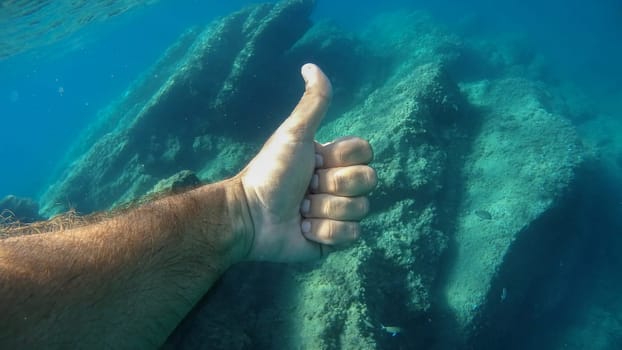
(94,62)
(91,64)
(54,78)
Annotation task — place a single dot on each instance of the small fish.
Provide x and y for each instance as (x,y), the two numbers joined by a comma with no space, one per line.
(504,294)
(394,330)
(483,214)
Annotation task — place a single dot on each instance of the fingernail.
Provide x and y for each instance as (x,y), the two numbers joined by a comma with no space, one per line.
(319,160)
(305,206)
(305,226)
(307,75)
(315,182)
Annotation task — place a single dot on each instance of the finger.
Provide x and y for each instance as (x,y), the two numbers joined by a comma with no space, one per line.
(327,206)
(351,181)
(331,232)
(344,151)
(306,117)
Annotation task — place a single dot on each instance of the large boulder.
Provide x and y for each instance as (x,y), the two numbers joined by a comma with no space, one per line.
(219,81)
(522,162)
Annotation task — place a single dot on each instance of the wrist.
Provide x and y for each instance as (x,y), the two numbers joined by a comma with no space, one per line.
(242,226)
(222,228)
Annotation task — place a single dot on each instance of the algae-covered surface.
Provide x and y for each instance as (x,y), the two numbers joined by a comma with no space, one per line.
(495,192)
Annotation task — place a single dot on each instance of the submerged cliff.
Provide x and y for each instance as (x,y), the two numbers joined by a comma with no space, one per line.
(473,159)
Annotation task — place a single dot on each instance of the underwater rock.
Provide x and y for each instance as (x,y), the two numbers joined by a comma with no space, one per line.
(204,84)
(523,161)
(182,180)
(466,169)
(441,154)
(19,209)
(412,122)
(406,39)
(353,68)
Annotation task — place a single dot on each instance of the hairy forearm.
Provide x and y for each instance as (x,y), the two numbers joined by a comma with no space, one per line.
(124,282)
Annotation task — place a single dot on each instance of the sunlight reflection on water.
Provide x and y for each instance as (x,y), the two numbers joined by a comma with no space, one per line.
(28,24)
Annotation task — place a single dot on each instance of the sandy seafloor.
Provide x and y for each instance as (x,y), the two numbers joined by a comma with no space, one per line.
(59,66)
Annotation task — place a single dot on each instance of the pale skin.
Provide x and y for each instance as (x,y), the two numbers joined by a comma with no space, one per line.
(128,280)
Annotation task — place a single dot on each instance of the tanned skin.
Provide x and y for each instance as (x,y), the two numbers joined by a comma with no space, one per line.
(126,281)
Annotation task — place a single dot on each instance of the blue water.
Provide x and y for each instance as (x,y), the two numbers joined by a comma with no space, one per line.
(50,93)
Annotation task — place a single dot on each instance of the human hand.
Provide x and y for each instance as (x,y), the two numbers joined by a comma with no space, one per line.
(295,201)
(306,199)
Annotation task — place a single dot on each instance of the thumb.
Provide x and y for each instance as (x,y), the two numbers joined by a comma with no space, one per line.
(308,114)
